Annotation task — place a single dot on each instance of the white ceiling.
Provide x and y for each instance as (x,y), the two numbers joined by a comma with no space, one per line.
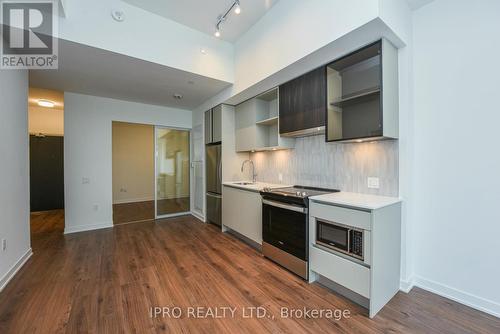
(416,4)
(87,70)
(202,14)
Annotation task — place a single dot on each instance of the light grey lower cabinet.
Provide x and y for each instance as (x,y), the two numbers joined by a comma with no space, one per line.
(376,277)
(242,212)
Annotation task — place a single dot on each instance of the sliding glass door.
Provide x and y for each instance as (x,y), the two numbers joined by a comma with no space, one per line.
(172,172)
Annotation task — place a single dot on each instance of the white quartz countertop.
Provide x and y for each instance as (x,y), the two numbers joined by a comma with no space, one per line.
(257,186)
(356,200)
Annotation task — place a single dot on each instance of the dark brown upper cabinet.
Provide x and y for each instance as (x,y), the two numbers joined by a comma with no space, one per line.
(362,95)
(302,104)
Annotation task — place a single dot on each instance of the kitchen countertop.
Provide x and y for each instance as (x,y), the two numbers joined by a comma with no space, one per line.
(356,200)
(257,186)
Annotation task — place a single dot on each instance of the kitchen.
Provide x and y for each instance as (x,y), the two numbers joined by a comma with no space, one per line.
(335,158)
(307,173)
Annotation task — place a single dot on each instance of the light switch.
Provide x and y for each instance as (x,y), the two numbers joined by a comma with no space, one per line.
(85,180)
(373,182)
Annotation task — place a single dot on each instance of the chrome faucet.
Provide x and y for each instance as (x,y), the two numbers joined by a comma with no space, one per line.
(254,175)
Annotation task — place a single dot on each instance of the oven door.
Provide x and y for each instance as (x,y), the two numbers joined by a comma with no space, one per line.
(285,227)
(332,235)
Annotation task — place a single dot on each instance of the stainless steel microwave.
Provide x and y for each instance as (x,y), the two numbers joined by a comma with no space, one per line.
(341,238)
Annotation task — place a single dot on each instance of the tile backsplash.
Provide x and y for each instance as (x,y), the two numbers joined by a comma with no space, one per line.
(314,162)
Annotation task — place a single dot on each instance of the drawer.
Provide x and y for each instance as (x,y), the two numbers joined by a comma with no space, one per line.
(344,272)
(337,214)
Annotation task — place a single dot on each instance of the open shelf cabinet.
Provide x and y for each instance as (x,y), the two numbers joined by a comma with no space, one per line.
(257,124)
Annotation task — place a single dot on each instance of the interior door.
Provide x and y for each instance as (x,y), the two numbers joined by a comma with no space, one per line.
(172,172)
(46,173)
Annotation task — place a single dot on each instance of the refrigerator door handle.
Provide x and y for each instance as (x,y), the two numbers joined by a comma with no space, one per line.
(219,174)
(214,195)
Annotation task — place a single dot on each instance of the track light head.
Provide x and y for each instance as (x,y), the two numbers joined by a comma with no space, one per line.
(222,17)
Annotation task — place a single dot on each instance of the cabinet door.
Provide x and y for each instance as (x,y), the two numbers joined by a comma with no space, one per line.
(303,102)
(286,106)
(245,128)
(217,124)
(242,212)
(208,126)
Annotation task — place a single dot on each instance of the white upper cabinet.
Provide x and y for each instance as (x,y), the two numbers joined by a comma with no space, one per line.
(257,124)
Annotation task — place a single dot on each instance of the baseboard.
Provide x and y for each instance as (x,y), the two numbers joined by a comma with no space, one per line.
(476,302)
(83,228)
(199,216)
(14,269)
(406,286)
(134,200)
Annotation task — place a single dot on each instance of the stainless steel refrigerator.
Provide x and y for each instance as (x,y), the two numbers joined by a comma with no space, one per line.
(214,184)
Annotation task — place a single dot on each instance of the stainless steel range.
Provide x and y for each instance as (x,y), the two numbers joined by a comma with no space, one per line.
(285,226)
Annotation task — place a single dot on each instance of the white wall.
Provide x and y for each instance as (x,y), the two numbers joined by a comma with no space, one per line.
(88,153)
(457,160)
(286,42)
(14,172)
(293,29)
(46,120)
(147,36)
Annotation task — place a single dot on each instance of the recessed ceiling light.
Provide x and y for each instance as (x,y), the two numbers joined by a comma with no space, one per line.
(178,96)
(203,51)
(46,103)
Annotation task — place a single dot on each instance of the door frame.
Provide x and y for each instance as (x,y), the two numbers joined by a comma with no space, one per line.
(155,155)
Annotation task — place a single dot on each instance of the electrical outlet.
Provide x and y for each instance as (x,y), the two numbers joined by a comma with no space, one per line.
(123,190)
(280,177)
(373,182)
(85,180)
(4,245)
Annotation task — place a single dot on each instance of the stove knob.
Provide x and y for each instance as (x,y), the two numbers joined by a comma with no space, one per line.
(298,193)
(304,194)
(266,189)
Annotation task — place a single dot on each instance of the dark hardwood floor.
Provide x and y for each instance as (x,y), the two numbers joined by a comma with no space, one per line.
(106,281)
(133,212)
(144,211)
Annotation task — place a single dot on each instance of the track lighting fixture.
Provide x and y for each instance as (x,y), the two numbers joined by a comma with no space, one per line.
(222,18)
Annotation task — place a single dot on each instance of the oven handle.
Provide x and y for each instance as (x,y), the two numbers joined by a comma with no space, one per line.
(285,206)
